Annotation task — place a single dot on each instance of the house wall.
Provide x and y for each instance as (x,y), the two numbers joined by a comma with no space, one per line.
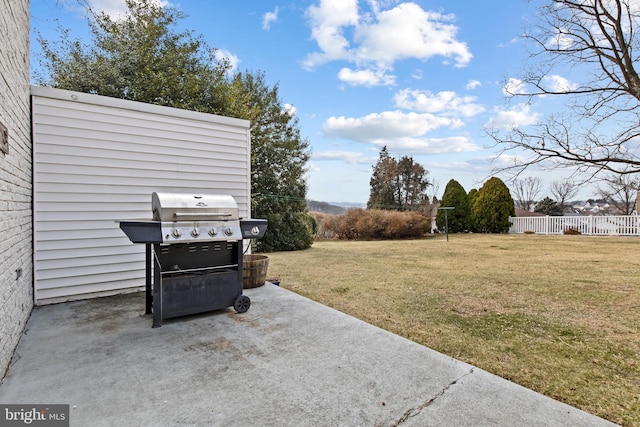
(98,160)
(16,279)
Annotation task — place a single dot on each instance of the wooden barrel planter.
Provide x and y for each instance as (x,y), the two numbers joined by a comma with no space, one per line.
(254,270)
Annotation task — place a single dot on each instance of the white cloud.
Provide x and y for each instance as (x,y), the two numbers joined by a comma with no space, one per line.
(328,21)
(446,102)
(551,83)
(352,157)
(290,109)
(513,86)
(366,77)
(473,84)
(453,144)
(520,115)
(376,40)
(418,74)
(513,41)
(117,9)
(502,161)
(388,124)
(555,83)
(269,18)
(400,131)
(408,31)
(233,59)
(560,41)
(312,167)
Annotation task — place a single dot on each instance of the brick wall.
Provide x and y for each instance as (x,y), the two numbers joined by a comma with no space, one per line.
(16,277)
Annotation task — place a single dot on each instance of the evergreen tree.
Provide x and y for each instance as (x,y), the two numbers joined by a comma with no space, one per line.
(548,206)
(142,58)
(472,197)
(492,207)
(411,185)
(139,57)
(397,184)
(278,159)
(383,182)
(459,218)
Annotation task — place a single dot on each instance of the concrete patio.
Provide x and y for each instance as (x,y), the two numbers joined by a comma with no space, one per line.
(288,361)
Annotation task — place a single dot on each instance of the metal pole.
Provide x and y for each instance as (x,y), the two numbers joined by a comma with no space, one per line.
(147,285)
(446,218)
(446,222)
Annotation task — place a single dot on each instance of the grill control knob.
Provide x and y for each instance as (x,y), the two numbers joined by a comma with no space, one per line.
(213,232)
(176,233)
(195,232)
(255,231)
(228,231)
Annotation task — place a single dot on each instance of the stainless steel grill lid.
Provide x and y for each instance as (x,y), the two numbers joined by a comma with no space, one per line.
(193,207)
(186,218)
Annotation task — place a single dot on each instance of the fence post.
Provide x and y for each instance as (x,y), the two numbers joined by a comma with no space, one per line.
(546,224)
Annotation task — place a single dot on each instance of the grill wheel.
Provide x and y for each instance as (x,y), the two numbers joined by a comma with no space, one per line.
(242,303)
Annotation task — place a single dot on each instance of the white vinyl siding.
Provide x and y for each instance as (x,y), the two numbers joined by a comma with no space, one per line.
(97,160)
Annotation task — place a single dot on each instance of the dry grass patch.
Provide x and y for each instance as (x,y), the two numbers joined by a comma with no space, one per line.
(557,314)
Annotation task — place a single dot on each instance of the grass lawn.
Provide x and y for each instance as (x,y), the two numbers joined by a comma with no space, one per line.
(557,314)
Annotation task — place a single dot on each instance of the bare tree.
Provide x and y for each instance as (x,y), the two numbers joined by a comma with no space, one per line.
(620,191)
(526,191)
(596,42)
(564,191)
(431,199)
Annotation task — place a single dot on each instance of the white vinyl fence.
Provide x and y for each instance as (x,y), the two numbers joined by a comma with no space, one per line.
(623,225)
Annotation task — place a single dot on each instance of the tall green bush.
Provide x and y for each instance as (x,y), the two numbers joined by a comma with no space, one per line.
(472,197)
(492,207)
(301,228)
(459,218)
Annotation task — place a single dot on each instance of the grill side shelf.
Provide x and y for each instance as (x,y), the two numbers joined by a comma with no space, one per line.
(253,228)
(142,231)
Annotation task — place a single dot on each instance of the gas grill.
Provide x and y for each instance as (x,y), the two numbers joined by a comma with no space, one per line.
(194,245)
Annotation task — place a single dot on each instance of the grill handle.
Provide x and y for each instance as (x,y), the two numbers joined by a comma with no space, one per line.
(179,215)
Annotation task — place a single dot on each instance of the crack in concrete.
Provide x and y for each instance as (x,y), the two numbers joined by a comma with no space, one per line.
(412,412)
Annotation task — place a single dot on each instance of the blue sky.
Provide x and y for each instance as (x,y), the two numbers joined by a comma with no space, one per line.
(423,78)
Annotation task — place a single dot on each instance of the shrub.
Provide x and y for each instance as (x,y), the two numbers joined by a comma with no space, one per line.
(459,218)
(492,207)
(323,226)
(372,224)
(572,231)
(298,229)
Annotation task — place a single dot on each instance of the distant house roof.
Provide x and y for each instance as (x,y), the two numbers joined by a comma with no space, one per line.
(522,212)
